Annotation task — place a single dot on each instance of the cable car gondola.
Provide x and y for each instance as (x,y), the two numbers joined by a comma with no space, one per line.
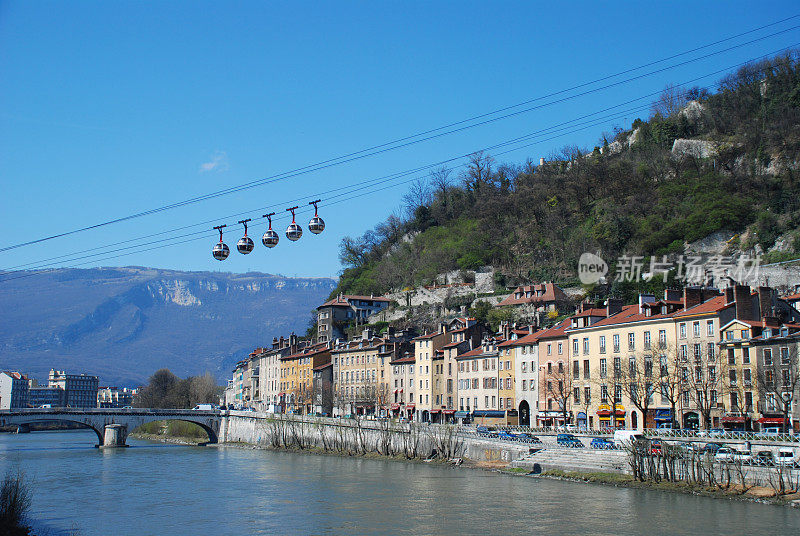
(220,251)
(294,231)
(317,224)
(270,238)
(245,244)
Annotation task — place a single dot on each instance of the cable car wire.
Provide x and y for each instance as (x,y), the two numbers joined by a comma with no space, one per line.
(566,125)
(410,140)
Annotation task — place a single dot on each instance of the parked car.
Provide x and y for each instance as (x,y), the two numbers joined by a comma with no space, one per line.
(601,443)
(742,456)
(568,440)
(623,438)
(724,454)
(507,436)
(786,457)
(763,458)
(486,431)
(716,432)
(710,448)
(527,438)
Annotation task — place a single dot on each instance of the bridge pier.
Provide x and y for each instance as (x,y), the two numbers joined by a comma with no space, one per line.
(23,429)
(114,436)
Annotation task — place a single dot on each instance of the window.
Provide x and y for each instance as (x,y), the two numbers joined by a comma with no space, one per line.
(710,328)
(576,395)
(731,357)
(617,366)
(682,330)
(711,350)
(747,377)
(631,341)
(561,367)
(585,345)
(646,340)
(712,374)
(560,348)
(784,356)
(576,370)
(549,367)
(616,342)
(550,348)
(524,385)
(768,356)
(786,376)
(745,332)
(698,374)
(524,366)
(602,344)
(603,394)
(501,403)
(603,370)
(712,397)
(768,378)
(696,329)
(745,355)
(617,393)
(549,386)
(575,344)
(585,369)
(508,365)
(732,377)
(685,398)
(682,352)
(587,395)
(662,338)
(648,366)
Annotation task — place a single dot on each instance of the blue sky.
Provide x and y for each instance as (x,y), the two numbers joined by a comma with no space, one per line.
(112,108)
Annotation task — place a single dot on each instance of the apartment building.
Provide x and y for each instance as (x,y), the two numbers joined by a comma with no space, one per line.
(13,390)
(523,349)
(80,390)
(478,383)
(554,387)
(297,377)
(403,403)
(362,371)
(335,314)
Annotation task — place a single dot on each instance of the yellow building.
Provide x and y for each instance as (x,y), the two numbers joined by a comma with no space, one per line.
(297,377)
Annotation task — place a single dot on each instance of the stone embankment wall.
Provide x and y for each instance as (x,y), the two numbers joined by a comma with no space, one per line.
(410,440)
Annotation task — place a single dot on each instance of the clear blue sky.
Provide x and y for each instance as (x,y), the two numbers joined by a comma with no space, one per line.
(111,108)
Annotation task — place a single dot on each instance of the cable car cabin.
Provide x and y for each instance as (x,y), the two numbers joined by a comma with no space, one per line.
(245,245)
(294,232)
(270,238)
(316,225)
(220,251)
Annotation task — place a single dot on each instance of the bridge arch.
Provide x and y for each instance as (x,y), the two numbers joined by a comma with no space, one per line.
(212,434)
(35,418)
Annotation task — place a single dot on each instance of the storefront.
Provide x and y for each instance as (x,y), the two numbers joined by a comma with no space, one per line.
(462,417)
(489,417)
(662,418)
(582,421)
(449,415)
(733,422)
(773,423)
(549,418)
(604,416)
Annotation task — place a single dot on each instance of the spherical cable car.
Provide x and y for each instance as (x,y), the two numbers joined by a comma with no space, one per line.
(245,244)
(294,231)
(270,238)
(316,225)
(220,251)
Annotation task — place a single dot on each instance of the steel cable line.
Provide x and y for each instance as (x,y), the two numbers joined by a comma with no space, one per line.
(554,128)
(349,157)
(176,240)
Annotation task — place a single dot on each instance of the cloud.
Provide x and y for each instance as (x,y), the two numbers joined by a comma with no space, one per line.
(218,162)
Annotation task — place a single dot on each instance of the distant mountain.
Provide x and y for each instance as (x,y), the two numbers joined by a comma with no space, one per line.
(122,324)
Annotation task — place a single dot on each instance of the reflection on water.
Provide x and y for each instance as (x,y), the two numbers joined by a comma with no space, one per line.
(168,489)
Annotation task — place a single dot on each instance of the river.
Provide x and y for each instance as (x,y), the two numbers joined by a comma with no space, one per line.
(158,489)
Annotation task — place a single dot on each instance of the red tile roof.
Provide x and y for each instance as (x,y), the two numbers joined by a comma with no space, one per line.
(591,312)
(549,293)
(629,313)
(714,305)
(792,297)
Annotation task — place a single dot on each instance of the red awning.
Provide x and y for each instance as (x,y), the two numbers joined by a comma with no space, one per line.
(395,406)
(732,418)
(607,413)
(448,411)
(410,406)
(773,420)
(435,410)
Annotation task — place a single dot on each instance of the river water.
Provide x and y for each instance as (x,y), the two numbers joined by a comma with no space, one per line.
(152,488)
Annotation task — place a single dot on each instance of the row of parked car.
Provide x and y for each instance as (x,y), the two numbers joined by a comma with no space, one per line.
(522,437)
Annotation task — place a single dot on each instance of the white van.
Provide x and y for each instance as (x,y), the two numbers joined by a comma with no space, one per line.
(206,407)
(623,438)
(785,457)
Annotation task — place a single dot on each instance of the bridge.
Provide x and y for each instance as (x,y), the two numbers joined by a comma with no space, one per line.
(113,425)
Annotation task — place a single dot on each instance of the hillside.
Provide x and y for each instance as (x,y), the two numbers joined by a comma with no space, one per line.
(705,161)
(125,323)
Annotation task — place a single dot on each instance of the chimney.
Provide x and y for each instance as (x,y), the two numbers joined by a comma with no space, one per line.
(692,296)
(728,295)
(710,292)
(293,342)
(506,331)
(389,332)
(744,303)
(366,334)
(613,306)
(275,343)
(645,298)
(463,310)
(530,329)
(765,307)
(541,161)
(672,294)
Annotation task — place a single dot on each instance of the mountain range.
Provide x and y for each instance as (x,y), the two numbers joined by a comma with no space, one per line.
(123,324)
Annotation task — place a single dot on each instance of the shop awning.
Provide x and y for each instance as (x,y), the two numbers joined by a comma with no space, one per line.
(489,413)
(448,411)
(410,406)
(773,420)
(461,414)
(732,418)
(395,406)
(435,411)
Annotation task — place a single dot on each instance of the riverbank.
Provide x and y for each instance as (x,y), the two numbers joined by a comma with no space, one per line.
(757,494)
(177,440)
